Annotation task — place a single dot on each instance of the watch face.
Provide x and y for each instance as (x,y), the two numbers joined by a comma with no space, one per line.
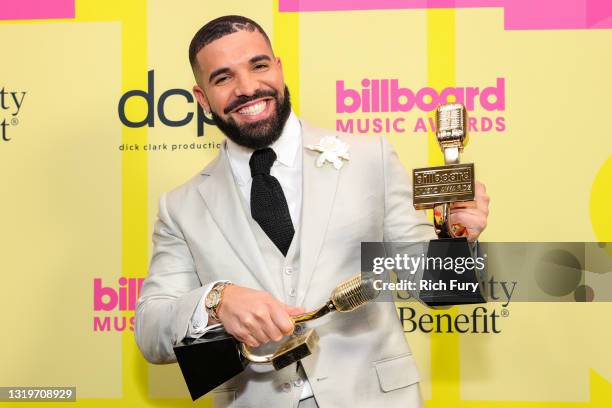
(212,299)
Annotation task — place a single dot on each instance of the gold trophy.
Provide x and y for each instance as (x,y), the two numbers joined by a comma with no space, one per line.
(346,297)
(437,188)
(219,349)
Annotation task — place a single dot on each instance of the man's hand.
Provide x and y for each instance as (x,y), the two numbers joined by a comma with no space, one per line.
(255,317)
(472,214)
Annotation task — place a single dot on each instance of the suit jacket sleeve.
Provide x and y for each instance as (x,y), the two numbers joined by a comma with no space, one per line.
(170,293)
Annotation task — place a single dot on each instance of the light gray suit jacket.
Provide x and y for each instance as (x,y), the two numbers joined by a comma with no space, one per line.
(203,235)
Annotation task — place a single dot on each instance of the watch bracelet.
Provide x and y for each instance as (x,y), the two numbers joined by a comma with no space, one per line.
(219,287)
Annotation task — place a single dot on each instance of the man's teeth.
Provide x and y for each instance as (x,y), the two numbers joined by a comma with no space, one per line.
(253,109)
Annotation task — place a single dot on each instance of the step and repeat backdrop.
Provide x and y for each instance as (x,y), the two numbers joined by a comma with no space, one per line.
(97,119)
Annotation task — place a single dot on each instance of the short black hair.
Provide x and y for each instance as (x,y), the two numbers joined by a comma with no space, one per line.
(220,27)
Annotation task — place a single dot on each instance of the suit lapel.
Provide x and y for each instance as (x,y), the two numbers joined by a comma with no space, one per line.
(224,203)
(320,184)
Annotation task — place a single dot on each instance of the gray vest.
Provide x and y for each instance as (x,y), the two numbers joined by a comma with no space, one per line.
(285,270)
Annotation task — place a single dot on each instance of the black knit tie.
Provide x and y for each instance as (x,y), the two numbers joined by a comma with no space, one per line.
(268,204)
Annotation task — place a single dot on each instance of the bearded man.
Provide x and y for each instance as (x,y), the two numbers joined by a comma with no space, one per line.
(263,233)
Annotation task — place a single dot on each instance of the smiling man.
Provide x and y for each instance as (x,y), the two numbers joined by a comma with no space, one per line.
(268,229)
(244,92)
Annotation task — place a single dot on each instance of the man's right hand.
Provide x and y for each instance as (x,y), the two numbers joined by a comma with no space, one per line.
(255,317)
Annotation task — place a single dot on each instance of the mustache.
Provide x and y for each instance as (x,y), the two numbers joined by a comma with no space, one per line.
(242,99)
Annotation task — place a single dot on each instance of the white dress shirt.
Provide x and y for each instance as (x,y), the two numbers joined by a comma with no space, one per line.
(288,171)
(287,168)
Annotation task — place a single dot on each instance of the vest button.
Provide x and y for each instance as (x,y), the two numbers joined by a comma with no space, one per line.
(286,387)
(288,270)
(292,292)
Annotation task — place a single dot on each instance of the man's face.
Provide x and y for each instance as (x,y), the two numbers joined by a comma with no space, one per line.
(241,83)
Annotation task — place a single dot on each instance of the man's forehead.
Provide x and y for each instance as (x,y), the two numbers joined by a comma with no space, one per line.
(231,49)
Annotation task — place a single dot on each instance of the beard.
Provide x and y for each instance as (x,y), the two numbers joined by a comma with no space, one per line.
(259,134)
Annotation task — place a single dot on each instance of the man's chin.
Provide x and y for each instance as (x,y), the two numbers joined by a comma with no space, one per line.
(259,128)
(260,138)
(255,136)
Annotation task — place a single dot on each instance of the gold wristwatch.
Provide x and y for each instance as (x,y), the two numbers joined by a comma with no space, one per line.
(213,299)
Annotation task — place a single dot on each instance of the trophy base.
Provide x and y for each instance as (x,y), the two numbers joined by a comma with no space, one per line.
(209,361)
(450,285)
(295,349)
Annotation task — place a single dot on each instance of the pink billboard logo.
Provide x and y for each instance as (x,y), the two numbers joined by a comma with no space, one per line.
(385,95)
(123,297)
(381,106)
(120,298)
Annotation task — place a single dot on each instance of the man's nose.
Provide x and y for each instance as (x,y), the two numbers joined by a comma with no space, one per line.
(246,85)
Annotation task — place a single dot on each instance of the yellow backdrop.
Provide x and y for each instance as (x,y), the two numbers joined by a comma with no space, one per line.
(78,201)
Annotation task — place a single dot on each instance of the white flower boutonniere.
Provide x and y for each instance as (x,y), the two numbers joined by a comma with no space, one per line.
(332,150)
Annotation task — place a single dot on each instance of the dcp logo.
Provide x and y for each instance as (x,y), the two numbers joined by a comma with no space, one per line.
(149,97)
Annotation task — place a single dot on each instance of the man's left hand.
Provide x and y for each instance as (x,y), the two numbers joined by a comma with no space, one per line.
(472,214)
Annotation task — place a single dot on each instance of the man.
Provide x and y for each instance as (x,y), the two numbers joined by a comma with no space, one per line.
(284,231)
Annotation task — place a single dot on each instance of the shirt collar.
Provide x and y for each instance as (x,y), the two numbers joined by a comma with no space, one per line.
(286,148)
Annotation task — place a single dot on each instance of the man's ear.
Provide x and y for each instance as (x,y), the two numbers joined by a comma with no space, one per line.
(201,98)
(279,64)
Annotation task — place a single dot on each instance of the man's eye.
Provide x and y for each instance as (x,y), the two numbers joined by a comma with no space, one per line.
(260,67)
(221,80)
